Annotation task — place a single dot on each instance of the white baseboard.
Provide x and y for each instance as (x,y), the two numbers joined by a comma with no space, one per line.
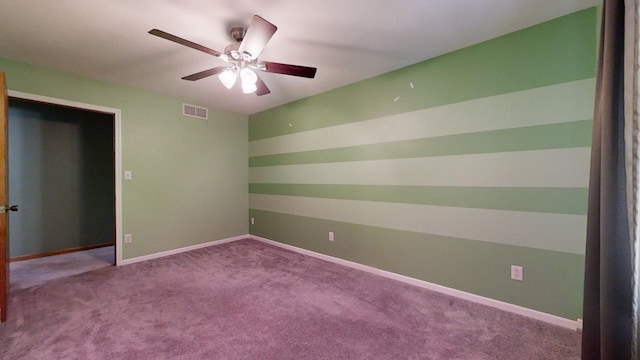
(538,315)
(183,249)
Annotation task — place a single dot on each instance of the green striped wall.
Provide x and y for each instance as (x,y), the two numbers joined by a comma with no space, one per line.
(448,171)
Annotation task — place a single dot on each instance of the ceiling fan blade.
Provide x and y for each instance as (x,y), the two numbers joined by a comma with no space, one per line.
(257,36)
(205,73)
(262,87)
(286,69)
(184,42)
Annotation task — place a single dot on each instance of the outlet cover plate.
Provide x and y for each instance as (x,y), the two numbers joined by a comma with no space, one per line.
(517,273)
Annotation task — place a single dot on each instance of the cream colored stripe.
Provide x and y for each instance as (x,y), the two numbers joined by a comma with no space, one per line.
(546,105)
(556,232)
(539,168)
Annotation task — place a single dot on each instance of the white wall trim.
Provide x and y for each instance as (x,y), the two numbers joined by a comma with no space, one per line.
(538,315)
(183,249)
(117,114)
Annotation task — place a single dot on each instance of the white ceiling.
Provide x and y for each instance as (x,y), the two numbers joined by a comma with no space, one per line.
(347,40)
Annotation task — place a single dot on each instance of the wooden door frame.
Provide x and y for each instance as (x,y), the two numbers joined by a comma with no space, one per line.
(117,120)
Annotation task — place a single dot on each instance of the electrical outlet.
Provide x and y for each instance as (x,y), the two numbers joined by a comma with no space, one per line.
(253,221)
(127,238)
(330,235)
(517,272)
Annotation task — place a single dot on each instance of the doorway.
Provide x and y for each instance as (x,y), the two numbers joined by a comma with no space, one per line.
(91,219)
(61,172)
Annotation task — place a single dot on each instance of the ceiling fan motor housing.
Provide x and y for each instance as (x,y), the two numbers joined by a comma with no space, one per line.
(237,33)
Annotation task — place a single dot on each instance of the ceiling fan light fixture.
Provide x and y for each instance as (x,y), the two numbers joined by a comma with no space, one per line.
(249,88)
(228,78)
(248,78)
(248,75)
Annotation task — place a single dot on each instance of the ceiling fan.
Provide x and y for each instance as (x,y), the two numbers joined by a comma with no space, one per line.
(242,57)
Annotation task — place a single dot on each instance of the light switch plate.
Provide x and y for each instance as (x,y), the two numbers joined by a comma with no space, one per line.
(128,175)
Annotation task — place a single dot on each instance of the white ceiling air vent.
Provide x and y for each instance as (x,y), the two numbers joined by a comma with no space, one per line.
(195,111)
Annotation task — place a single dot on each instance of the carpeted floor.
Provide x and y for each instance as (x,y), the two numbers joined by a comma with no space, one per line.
(249,300)
(33,272)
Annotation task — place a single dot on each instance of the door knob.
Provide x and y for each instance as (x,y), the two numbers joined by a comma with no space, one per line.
(6,208)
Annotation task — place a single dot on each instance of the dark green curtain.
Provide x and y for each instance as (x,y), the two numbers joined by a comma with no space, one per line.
(607,331)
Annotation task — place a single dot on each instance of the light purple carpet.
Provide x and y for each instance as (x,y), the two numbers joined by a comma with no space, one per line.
(248,300)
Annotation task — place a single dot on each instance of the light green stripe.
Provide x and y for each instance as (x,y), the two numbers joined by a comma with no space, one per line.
(546,105)
(553,280)
(555,232)
(564,135)
(570,168)
(546,200)
(557,51)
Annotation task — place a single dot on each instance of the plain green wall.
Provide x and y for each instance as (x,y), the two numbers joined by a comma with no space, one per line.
(189,175)
(61,170)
